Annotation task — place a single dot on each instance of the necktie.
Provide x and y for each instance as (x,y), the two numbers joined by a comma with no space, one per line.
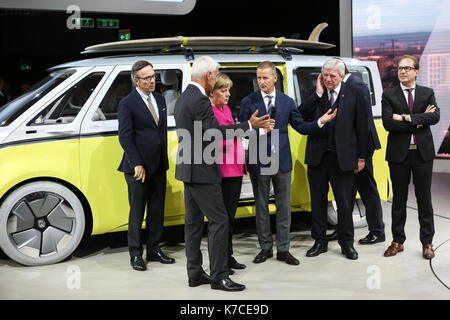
(269,105)
(330,129)
(411,105)
(152,110)
(331,98)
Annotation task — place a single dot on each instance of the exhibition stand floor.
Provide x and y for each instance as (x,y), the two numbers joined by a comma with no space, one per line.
(100,269)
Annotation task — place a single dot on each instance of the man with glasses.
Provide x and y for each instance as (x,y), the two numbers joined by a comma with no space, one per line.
(143,136)
(408,112)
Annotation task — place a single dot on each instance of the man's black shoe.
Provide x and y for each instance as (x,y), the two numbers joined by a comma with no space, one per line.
(333,236)
(203,279)
(317,249)
(288,258)
(227,285)
(263,255)
(233,264)
(138,264)
(371,239)
(161,257)
(230,272)
(349,252)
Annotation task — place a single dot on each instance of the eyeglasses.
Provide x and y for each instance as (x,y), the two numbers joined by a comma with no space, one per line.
(149,78)
(407,68)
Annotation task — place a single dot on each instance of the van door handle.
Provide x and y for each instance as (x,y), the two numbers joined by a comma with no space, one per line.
(61,131)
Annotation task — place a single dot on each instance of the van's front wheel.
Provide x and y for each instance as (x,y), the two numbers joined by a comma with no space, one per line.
(41,223)
(359,214)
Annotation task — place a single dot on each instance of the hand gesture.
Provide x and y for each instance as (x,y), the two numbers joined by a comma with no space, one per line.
(261,122)
(328,116)
(319,86)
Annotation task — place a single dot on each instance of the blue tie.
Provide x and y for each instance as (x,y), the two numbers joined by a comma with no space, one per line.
(269,105)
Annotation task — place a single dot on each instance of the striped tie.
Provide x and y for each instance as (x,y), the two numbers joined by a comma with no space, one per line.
(411,105)
(269,105)
(152,111)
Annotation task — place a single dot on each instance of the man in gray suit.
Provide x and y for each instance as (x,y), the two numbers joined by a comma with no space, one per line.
(202,178)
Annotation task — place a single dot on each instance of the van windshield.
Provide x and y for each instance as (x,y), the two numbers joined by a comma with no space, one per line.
(12,110)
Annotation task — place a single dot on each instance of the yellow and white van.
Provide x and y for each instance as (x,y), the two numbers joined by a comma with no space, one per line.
(59,148)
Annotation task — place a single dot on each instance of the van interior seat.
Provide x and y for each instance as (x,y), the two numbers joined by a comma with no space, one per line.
(170,81)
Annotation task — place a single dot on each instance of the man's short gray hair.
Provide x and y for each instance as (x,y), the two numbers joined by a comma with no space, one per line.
(138,65)
(202,66)
(333,63)
(268,65)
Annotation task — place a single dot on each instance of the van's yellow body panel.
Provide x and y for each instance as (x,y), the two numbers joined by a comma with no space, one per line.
(55,159)
(90,164)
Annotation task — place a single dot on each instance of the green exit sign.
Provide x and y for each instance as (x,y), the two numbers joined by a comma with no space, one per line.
(107,23)
(124,35)
(83,22)
(25,67)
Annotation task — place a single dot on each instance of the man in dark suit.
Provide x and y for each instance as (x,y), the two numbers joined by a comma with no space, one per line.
(365,183)
(143,137)
(408,112)
(202,178)
(335,154)
(279,168)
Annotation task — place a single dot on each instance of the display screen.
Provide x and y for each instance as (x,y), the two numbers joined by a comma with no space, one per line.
(384,30)
(172,7)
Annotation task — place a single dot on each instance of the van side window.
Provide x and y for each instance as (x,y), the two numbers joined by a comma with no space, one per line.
(305,80)
(244,83)
(66,107)
(168,83)
(12,110)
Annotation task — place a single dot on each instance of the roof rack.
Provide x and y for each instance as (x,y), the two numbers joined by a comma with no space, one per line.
(187,45)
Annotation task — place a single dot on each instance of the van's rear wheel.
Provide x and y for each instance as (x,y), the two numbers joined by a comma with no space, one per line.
(359,214)
(41,223)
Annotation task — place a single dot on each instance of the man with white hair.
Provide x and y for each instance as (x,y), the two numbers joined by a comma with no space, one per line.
(335,154)
(202,179)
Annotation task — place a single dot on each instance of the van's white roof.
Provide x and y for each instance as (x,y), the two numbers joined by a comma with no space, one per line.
(179,58)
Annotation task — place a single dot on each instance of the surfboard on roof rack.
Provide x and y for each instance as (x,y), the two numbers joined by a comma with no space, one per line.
(213,43)
(231,43)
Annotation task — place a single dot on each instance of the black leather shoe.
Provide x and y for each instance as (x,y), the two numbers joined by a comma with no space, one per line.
(203,279)
(349,252)
(227,285)
(263,256)
(233,264)
(230,272)
(288,258)
(371,239)
(317,249)
(138,264)
(333,236)
(161,257)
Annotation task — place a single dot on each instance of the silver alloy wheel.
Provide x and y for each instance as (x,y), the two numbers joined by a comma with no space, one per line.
(41,223)
(359,214)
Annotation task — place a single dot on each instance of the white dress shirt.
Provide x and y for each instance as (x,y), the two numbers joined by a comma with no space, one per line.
(266,100)
(152,99)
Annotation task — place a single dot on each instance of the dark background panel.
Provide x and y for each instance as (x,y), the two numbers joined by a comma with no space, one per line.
(37,40)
